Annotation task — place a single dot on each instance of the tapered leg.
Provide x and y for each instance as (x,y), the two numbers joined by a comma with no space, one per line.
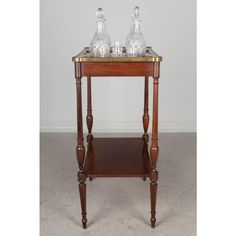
(154,151)
(80,150)
(89,117)
(82,191)
(145,111)
(153,195)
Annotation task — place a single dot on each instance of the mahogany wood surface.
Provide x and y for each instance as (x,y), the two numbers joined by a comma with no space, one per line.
(80,150)
(117,69)
(154,149)
(89,118)
(117,157)
(145,111)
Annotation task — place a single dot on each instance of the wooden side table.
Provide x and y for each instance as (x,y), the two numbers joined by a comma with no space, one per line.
(117,157)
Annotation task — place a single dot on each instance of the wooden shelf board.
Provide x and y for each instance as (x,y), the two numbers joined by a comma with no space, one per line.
(117,157)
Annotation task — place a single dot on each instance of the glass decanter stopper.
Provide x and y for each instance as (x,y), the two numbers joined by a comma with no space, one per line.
(135,43)
(101,43)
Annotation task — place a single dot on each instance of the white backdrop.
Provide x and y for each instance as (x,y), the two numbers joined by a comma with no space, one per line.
(68,26)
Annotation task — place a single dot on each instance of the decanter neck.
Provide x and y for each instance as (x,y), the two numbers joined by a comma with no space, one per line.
(136,25)
(100,26)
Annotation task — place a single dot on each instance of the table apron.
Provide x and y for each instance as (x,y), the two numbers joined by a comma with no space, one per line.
(117,68)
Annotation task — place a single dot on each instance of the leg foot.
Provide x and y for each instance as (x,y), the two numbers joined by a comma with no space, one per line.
(153,223)
(153,195)
(82,191)
(84,223)
(153,188)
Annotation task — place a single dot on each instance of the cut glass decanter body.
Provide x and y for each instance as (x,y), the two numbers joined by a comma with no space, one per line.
(101,43)
(135,43)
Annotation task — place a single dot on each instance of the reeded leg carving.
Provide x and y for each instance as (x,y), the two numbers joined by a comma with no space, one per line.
(80,150)
(145,111)
(89,117)
(82,191)
(154,152)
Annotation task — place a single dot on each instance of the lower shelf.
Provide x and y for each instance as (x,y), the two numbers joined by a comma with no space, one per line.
(117,157)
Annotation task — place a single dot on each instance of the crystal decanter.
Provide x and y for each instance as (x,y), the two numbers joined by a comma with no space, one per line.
(101,43)
(135,43)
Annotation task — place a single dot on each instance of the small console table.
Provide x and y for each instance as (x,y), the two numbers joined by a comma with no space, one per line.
(117,157)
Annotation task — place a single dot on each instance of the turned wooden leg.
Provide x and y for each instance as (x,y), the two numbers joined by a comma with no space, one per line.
(145,111)
(153,196)
(80,150)
(154,149)
(89,118)
(82,191)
